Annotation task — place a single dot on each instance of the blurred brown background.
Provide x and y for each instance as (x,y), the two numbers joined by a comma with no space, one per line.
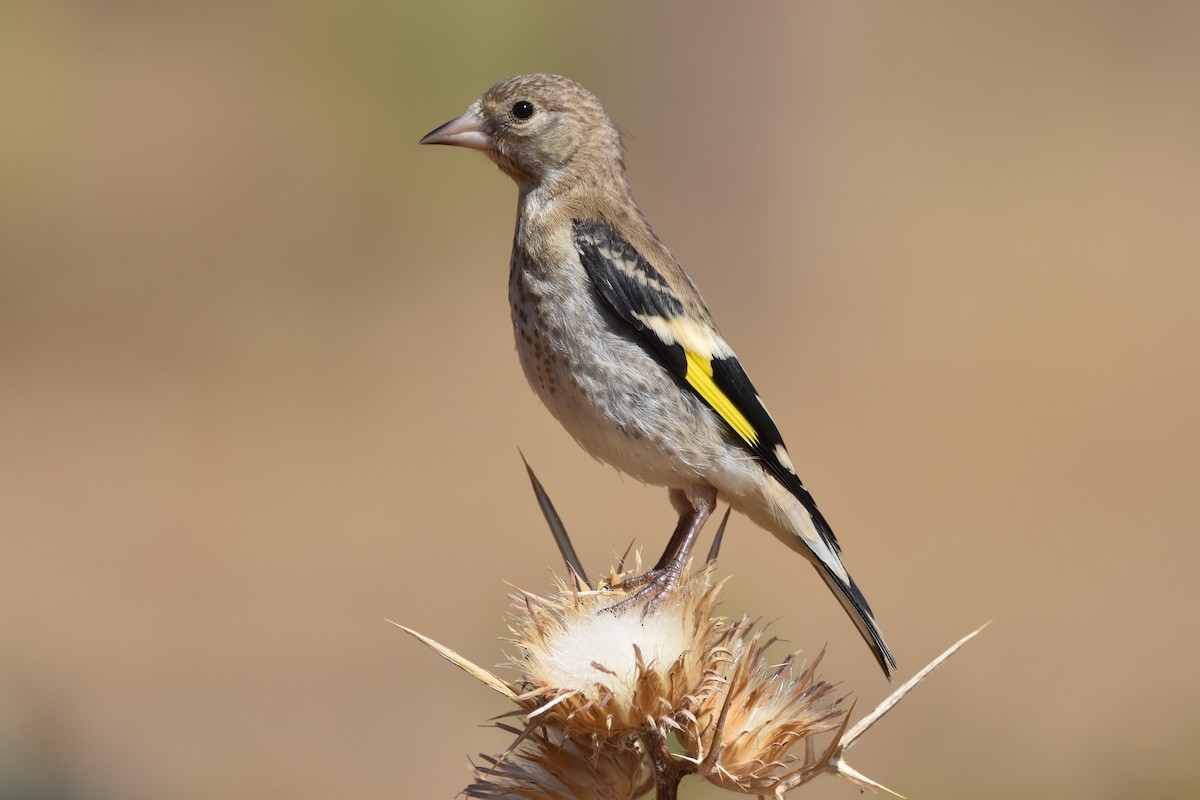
(258,391)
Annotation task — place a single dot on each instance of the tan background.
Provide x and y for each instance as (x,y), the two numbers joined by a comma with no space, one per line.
(258,392)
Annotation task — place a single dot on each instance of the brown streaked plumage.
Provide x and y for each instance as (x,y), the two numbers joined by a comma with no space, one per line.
(617,342)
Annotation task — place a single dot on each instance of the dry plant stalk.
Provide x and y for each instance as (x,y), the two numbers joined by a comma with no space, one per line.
(616,704)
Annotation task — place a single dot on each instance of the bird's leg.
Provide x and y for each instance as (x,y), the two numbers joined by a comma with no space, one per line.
(694,508)
(681,529)
(686,531)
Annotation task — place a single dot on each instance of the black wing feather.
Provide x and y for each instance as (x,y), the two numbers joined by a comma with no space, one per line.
(633,288)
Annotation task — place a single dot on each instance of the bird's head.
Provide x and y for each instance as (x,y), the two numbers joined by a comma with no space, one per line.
(541,130)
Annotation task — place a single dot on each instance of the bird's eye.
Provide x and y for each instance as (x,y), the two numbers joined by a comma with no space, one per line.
(522,109)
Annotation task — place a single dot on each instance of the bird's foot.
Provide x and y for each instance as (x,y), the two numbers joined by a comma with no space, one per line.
(652,588)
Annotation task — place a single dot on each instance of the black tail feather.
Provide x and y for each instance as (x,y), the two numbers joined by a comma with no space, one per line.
(856,606)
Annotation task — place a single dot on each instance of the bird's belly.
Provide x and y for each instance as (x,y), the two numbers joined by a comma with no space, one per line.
(613,397)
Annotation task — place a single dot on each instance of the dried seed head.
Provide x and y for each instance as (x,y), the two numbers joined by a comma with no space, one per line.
(596,671)
(600,693)
(550,766)
(743,735)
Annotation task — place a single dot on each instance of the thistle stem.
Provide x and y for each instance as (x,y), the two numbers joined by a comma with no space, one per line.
(668,771)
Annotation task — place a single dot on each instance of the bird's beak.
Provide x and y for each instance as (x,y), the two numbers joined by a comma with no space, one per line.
(464,131)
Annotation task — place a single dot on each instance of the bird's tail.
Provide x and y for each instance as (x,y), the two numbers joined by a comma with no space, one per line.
(856,607)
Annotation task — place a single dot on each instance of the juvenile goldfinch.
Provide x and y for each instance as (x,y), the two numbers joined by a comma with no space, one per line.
(617,342)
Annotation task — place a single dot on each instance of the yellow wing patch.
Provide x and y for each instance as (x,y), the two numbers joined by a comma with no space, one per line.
(700,377)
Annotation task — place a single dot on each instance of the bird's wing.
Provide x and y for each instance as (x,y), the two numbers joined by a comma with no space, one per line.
(690,348)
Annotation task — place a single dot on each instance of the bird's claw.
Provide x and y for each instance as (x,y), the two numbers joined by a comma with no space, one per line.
(653,587)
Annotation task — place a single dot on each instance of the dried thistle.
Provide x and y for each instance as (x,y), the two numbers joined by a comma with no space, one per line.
(596,672)
(601,689)
(743,734)
(549,765)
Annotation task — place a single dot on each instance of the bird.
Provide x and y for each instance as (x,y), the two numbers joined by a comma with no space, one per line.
(617,342)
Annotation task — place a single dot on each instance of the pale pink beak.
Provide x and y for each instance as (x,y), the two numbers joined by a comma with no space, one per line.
(464,131)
